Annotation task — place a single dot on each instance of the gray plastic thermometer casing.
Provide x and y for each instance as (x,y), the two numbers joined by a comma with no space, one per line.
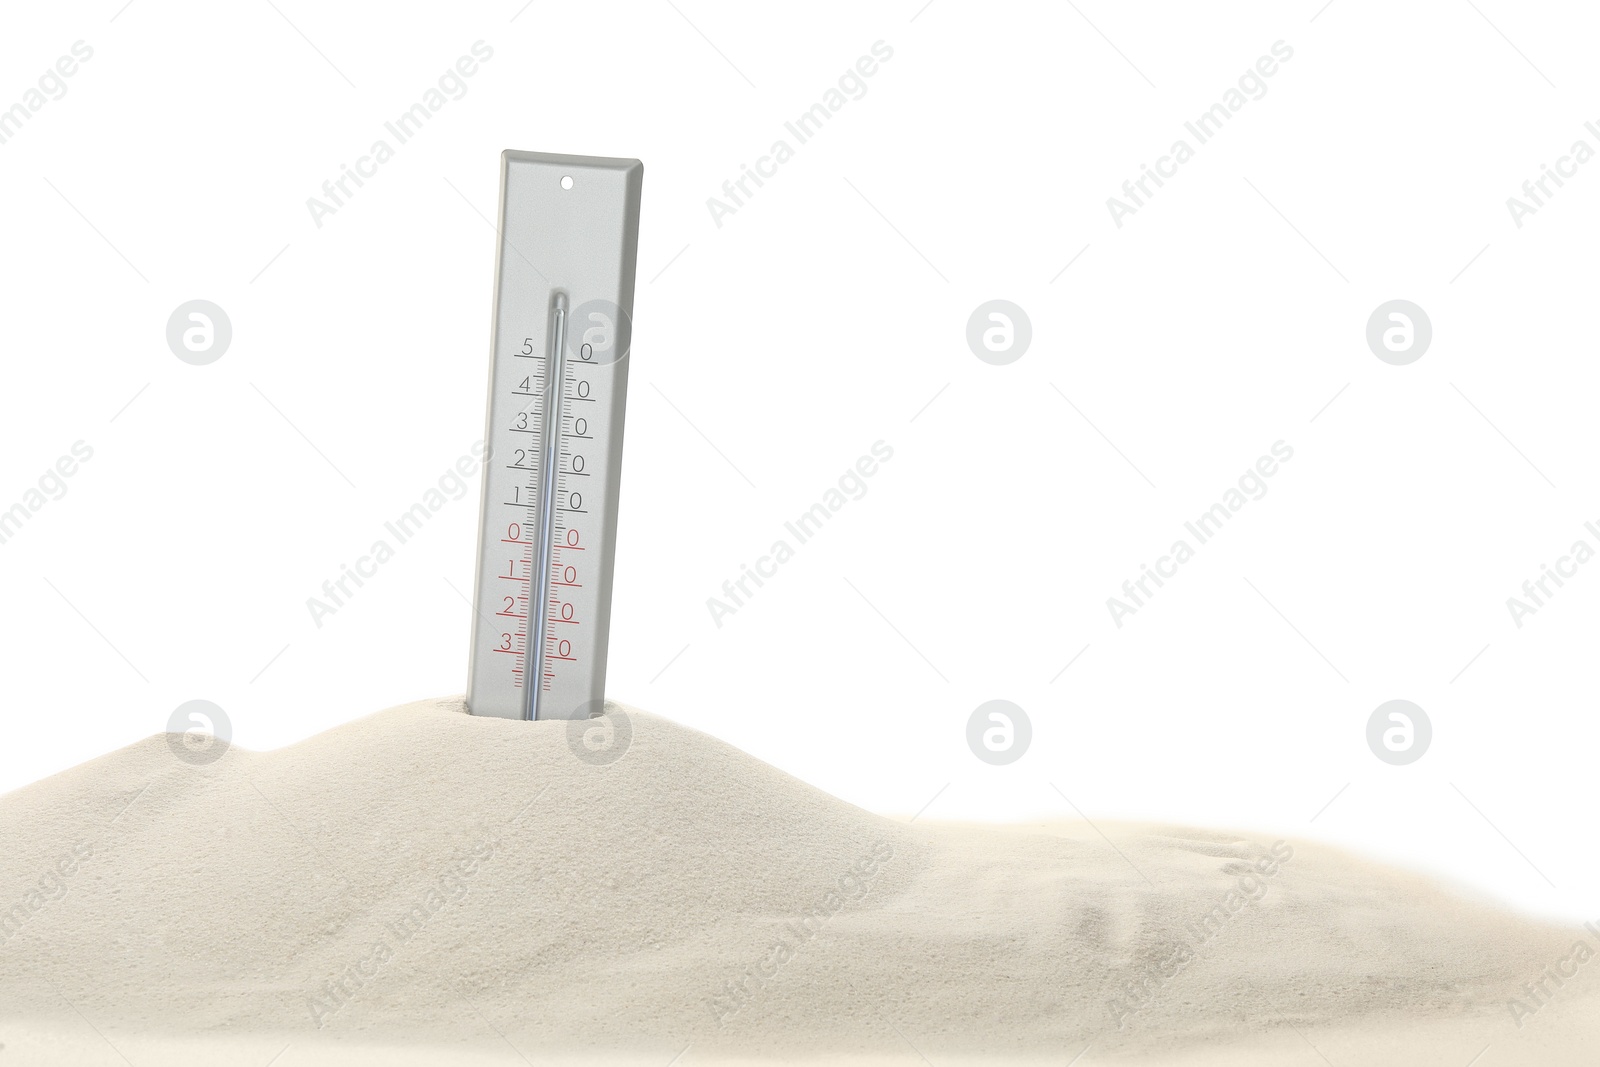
(558,385)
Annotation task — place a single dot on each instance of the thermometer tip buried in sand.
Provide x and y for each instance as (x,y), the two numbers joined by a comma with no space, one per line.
(558,383)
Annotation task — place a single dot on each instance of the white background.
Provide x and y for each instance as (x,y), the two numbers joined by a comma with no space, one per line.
(827,313)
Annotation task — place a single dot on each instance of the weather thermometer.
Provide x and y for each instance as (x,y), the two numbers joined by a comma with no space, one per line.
(558,383)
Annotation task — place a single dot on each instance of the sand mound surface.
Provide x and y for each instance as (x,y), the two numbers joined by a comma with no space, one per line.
(426,887)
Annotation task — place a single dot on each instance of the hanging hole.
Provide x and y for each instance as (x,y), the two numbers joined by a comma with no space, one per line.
(566,181)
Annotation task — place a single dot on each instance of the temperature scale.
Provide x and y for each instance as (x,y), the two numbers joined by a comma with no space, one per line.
(558,383)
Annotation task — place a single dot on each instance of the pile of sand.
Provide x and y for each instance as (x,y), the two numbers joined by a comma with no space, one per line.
(427,887)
